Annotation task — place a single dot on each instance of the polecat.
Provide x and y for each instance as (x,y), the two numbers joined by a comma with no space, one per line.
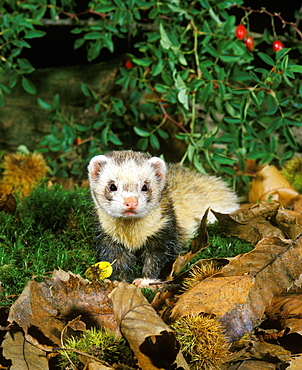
(147,210)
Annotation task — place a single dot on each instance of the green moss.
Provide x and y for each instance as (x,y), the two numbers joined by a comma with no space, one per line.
(97,343)
(51,229)
(292,171)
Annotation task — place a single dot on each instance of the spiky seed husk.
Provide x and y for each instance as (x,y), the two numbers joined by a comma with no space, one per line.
(199,273)
(23,171)
(203,341)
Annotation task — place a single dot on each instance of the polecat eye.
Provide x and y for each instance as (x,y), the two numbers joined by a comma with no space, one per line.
(112,187)
(145,187)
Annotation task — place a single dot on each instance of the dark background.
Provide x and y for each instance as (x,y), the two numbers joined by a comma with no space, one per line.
(56,48)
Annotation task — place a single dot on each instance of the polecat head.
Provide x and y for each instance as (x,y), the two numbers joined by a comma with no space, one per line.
(126,183)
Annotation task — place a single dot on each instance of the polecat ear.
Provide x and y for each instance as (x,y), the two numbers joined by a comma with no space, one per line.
(96,166)
(159,166)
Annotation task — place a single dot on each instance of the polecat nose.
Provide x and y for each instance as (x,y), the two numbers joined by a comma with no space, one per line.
(131,202)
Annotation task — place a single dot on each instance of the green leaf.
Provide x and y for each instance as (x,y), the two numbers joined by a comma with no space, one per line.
(267,157)
(163,134)
(157,68)
(290,137)
(296,68)
(114,139)
(183,98)
(93,35)
(143,143)
(266,58)
(141,132)
(28,86)
(273,144)
(21,44)
(160,88)
(222,159)
(32,34)
(205,72)
(82,128)
(205,4)
(207,91)
(281,53)
(78,43)
(244,106)
(142,62)
(165,41)
(86,90)
(98,124)
(271,111)
(43,104)
(154,142)
(284,62)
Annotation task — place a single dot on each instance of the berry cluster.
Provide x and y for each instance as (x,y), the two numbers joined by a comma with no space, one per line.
(249,40)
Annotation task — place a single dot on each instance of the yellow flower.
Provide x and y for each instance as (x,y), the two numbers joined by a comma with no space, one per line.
(99,271)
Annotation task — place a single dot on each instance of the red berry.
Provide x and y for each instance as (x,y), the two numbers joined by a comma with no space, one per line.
(77,141)
(278,45)
(240,32)
(249,42)
(129,64)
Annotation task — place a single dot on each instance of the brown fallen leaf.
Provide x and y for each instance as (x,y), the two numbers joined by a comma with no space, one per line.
(287,223)
(251,224)
(8,203)
(153,342)
(244,288)
(252,365)
(54,302)
(22,353)
(270,184)
(254,349)
(295,363)
(298,205)
(286,309)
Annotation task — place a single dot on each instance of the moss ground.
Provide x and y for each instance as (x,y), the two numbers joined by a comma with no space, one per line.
(52,228)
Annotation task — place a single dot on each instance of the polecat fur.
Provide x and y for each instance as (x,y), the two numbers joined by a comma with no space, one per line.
(147,210)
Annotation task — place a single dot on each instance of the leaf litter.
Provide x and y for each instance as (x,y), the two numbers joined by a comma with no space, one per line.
(256,296)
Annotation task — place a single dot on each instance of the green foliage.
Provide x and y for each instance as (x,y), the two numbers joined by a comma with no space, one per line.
(186,68)
(52,229)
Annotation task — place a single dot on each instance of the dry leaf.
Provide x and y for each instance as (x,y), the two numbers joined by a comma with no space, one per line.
(259,351)
(22,353)
(8,203)
(93,365)
(51,304)
(286,309)
(295,363)
(252,365)
(240,293)
(287,223)
(270,184)
(298,204)
(152,341)
(252,224)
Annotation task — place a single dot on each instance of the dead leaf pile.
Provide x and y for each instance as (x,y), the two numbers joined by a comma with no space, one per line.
(260,221)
